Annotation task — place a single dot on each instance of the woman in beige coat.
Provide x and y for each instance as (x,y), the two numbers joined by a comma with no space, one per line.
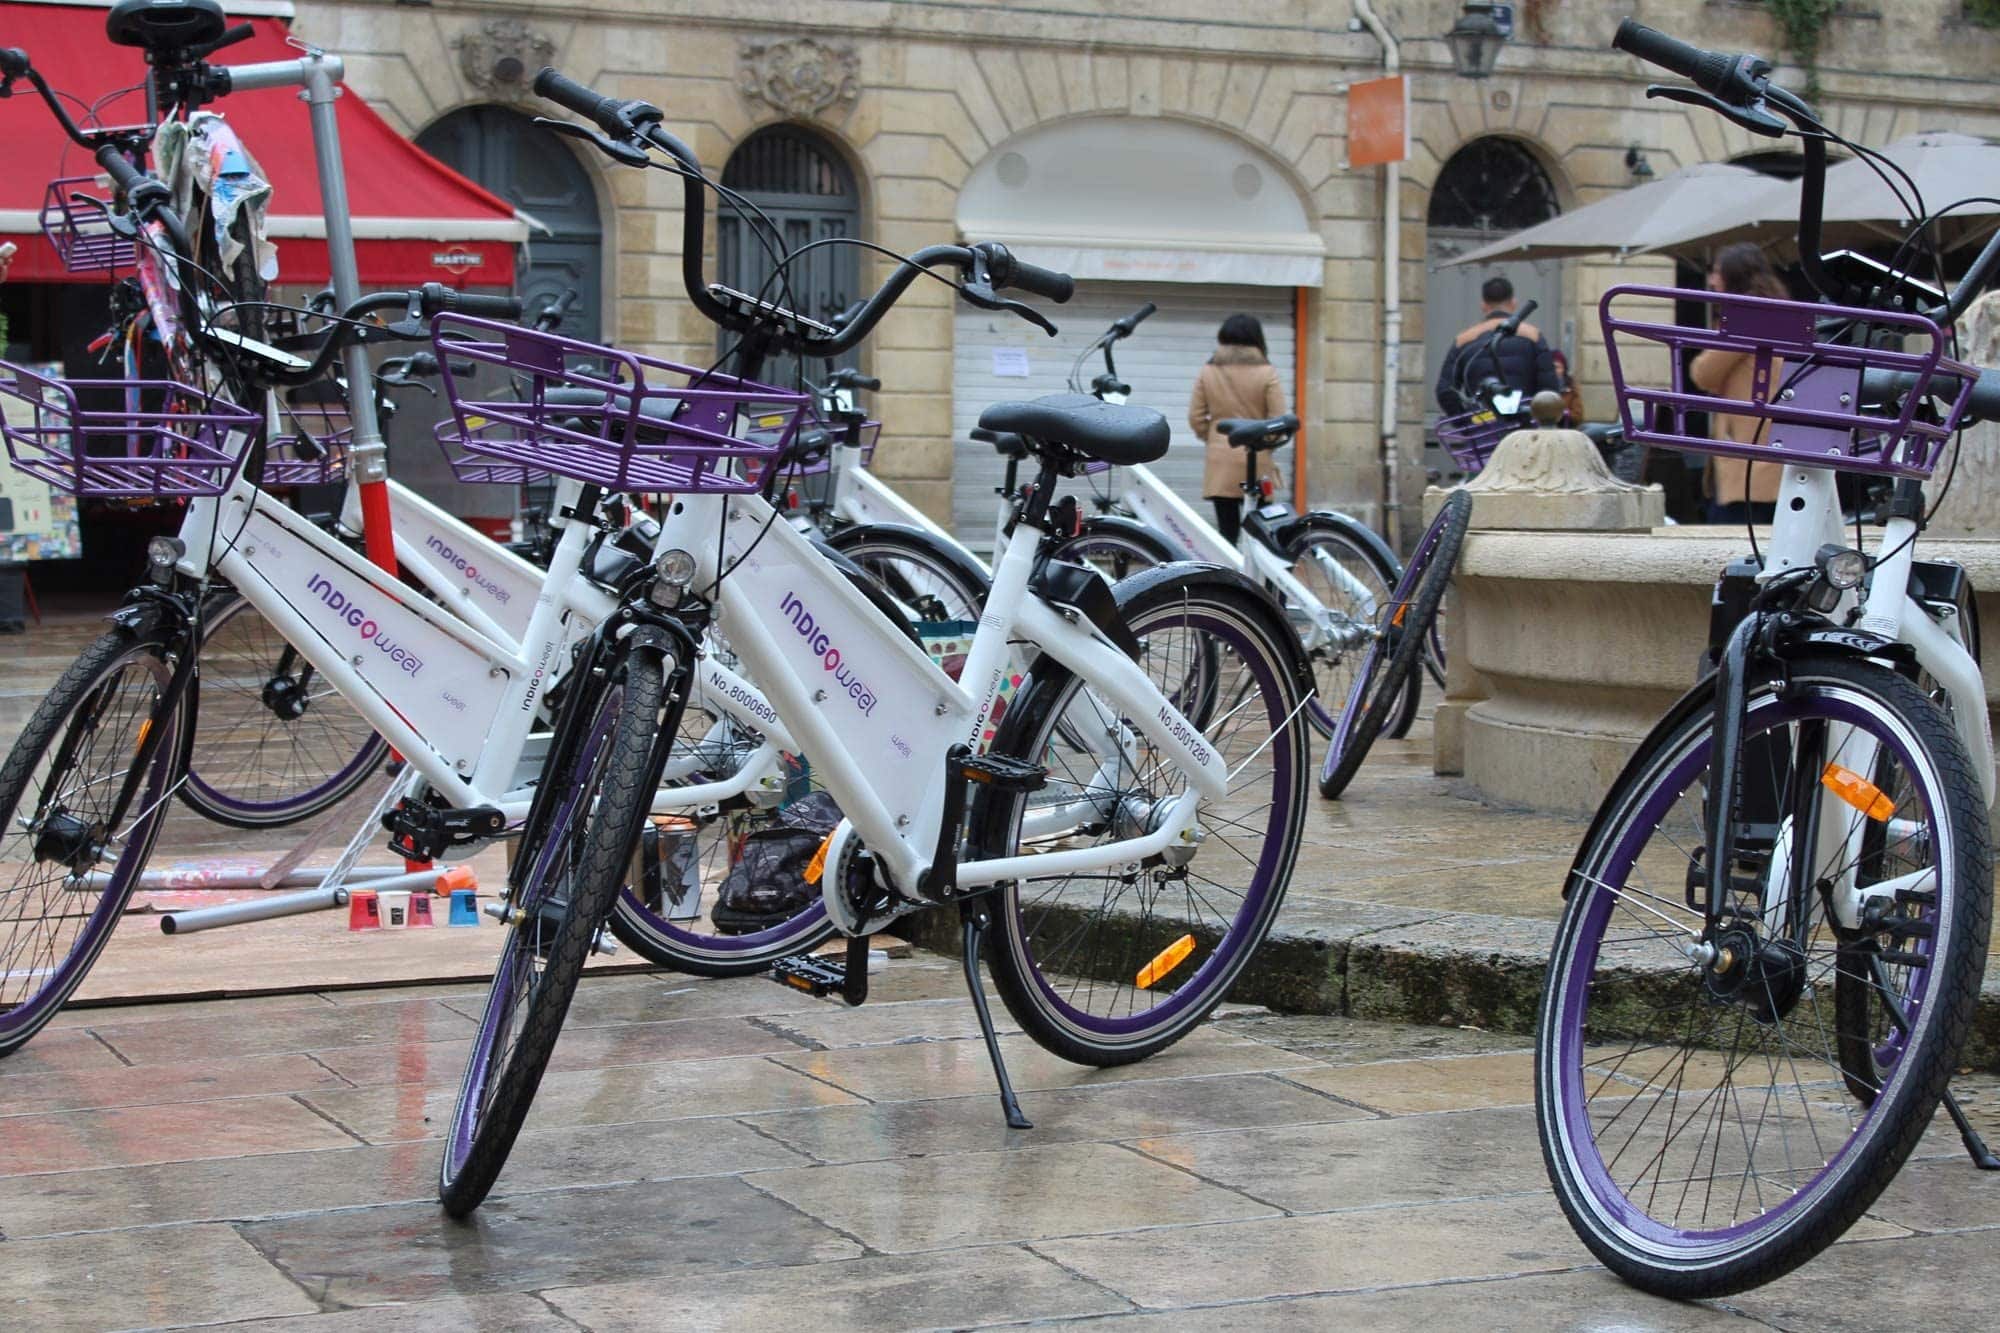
(1738,492)
(1239,382)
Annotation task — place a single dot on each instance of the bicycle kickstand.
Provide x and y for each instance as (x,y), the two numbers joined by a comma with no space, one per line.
(977,913)
(1975,1146)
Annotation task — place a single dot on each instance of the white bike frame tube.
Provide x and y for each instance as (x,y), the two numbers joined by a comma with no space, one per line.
(904,843)
(1156,505)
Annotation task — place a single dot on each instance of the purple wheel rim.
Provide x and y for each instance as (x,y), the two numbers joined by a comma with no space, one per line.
(1594,1175)
(785,932)
(1222,961)
(501,999)
(29,1013)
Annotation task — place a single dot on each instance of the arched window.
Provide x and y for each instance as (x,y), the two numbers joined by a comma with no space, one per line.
(801,183)
(1492,184)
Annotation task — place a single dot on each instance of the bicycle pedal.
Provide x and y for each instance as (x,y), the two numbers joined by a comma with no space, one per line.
(810,973)
(1003,773)
(419,832)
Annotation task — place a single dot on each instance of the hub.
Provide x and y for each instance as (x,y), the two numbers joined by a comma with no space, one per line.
(285,696)
(1766,976)
(67,840)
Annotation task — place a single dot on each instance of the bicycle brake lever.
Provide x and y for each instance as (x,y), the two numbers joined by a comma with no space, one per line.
(1752,118)
(604,143)
(986,298)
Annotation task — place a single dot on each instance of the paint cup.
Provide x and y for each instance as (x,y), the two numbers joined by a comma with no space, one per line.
(464,907)
(420,910)
(363,913)
(395,908)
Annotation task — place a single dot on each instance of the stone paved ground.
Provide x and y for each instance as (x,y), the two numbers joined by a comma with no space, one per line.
(730,1154)
(724,1155)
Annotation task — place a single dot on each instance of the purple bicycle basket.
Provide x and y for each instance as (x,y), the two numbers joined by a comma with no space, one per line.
(314,451)
(81,233)
(1472,437)
(599,415)
(1806,387)
(166,441)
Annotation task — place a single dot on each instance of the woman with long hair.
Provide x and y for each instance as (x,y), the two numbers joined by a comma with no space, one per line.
(1738,491)
(1238,382)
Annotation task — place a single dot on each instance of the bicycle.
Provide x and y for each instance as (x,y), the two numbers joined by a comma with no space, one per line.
(1328,572)
(280,742)
(930,818)
(82,793)
(1776,926)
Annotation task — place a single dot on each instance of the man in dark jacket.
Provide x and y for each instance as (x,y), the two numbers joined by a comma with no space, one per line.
(1523,360)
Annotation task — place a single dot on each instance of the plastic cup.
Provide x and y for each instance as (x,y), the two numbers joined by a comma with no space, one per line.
(395,908)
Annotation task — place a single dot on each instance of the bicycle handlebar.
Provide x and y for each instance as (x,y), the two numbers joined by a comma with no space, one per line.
(1982,404)
(1124,327)
(634,123)
(1512,324)
(1740,80)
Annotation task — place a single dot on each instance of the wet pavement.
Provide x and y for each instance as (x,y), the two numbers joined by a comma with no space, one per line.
(719,1155)
(731,1154)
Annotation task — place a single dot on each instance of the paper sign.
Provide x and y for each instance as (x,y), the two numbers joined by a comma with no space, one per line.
(1378,122)
(36,523)
(1010,363)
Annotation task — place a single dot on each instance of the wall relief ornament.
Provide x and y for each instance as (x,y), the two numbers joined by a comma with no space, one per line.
(500,56)
(800,76)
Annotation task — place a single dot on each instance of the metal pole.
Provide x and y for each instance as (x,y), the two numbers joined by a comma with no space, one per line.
(369,462)
(1392,297)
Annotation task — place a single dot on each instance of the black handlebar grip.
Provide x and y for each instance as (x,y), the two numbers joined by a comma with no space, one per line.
(1709,70)
(1513,321)
(128,178)
(13,62)
(421,363)
(1124,326)
(868,382)
(1984,402)
(586,102)
(436,297)
(1057,287)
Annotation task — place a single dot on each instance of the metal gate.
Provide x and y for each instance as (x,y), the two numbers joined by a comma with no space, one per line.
(799,182)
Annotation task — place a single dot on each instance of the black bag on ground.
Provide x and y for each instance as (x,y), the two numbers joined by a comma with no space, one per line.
(767,884)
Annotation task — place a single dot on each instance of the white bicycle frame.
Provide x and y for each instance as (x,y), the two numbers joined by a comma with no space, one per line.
(877,717)
(1153,503)
(451,687)
(1808,517)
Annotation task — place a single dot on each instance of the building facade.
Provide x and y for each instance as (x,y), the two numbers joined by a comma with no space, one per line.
(1175,151)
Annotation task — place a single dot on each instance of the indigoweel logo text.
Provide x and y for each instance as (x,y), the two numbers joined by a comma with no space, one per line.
(371,632)
(829,656)
(469,570)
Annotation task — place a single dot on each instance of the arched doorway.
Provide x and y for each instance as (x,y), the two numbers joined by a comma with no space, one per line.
(532,169)
(1491,187)
(803,185)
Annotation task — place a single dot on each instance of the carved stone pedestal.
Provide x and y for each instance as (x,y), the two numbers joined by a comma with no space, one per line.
(1539,486)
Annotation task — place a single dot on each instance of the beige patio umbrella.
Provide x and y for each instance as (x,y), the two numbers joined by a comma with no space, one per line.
(1673,214)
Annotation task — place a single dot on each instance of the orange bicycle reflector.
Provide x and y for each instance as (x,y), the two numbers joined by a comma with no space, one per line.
(817,866)
(1858,792)
(1165,961)
(1402,610)
(145,730)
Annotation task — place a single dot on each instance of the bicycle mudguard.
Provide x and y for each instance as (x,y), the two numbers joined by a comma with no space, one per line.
(1256,601)
(1134,532)
(969,570)
(1329,520)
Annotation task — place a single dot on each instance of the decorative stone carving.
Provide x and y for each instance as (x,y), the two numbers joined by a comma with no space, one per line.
(800,76)
(500,56)
(1548,462)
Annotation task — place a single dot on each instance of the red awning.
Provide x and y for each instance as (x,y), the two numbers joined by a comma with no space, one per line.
(415,219)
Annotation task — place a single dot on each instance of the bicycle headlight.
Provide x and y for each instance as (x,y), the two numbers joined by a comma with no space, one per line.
(672,572)
(1841,566)
(162,554)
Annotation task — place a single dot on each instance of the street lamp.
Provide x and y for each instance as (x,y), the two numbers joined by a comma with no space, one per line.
(1475,40)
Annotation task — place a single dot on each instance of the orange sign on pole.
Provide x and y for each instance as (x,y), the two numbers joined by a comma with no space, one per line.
(1378,122)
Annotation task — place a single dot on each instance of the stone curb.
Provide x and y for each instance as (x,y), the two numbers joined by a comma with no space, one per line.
(1409,965)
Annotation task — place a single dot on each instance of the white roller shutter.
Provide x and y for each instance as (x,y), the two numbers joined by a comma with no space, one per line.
(1160,362)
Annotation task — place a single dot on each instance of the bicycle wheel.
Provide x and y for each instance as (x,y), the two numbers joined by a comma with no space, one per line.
(67,871)
(681,934)
(274,742)
(1351,583)
(926,580)
(570,863)
(1389,668)
(1108,967)
(1695,1084)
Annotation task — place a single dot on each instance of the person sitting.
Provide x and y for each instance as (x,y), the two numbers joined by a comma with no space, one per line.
(1523,360)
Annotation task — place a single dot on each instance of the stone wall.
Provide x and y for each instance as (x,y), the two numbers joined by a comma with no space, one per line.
(939,87)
